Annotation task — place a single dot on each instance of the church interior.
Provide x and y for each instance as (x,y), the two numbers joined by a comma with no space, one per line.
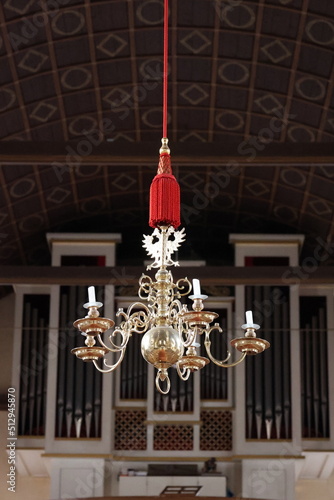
(210,255)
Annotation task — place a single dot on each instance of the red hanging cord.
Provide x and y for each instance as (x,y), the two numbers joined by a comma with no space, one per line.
(165,190)
(165,73)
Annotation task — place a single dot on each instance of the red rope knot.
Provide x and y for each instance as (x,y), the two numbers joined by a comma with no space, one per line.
(165,164)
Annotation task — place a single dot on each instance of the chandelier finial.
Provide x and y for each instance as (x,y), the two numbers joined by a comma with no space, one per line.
(164,146)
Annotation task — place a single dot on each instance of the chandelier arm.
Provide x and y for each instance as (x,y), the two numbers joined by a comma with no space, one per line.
(115,348)
(180,287)
(176,303)
(207,343)
(223,363)
(157,383)
(174,310)
(184,374)
(138,322)
(190,338)
(137,304)
(143,277)
(110,367)
(145,287)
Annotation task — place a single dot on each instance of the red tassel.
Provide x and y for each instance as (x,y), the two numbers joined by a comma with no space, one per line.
(164,197)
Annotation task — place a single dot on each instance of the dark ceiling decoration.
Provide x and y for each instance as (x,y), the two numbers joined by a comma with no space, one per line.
(68,65)
(215,202)
(248,73)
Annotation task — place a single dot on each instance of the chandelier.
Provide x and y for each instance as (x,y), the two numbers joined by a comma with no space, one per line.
(171,332)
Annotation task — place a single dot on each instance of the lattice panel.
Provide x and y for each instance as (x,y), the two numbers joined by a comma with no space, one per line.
(173,437)
(216,430)
(130,430)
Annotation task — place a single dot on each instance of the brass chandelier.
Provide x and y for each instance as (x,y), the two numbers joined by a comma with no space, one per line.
(171,332)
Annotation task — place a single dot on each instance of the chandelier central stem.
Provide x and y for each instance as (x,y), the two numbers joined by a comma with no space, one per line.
(163,287)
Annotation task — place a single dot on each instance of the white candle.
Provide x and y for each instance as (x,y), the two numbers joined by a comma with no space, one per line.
(249,318)
(91,294)
(196,287)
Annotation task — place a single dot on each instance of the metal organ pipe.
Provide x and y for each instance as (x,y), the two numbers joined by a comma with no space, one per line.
(32,369)
(62,365)
(314,365)
(24,387)
(277,373)
(308,378)
(223,373)
(88,400)
(258,379)
(174,392)
(33,365)
(249,376)
(40,376)
(268,372)
(315,370)
(285,365)
(97,402)
(323,371)
(268,378)
(79,377)
(135,372)
(78,384)
(69,410)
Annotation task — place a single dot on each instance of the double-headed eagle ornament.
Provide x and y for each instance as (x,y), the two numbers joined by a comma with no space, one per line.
(162,244)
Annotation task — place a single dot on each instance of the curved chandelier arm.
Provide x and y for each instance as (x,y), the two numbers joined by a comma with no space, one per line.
(110,368)
(184,374)
(174,310)
(190,337)
(134,322)
(115,348)
(145,286)
(222,363)
(136,304)
(157,383)
(207,344)
(183,284)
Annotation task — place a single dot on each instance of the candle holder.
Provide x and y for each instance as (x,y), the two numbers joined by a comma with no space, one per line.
(250,344)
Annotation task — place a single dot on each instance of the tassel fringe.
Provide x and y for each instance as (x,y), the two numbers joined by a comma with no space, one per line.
(164,201)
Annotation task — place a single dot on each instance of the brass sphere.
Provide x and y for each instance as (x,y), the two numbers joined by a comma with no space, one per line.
(162,346)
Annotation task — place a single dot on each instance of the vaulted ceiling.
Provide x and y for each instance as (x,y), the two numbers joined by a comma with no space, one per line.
(246,74)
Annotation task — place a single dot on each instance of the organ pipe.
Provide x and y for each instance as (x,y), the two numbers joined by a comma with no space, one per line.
(268,395)
(35,320)
(314,367)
